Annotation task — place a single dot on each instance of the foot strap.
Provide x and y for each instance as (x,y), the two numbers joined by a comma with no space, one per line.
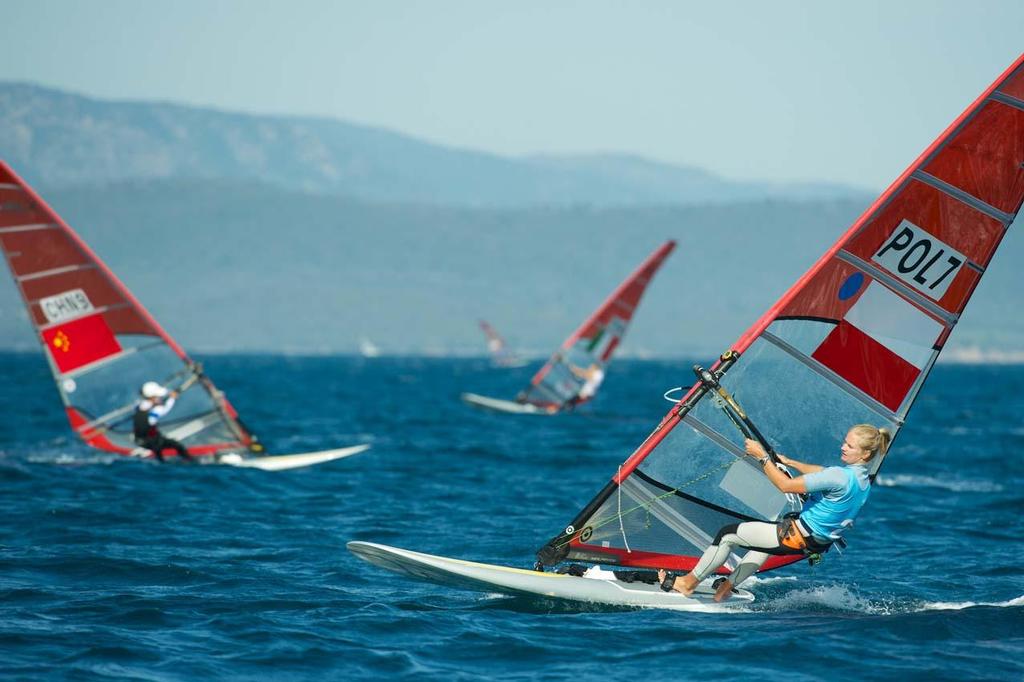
(669,582)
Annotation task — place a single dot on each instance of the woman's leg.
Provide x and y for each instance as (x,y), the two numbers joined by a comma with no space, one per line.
(751,534)
(752,561)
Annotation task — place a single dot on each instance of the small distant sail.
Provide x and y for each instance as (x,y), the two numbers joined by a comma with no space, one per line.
(851,342)
(500,354)
(574,373)
(100,342)
(368,349)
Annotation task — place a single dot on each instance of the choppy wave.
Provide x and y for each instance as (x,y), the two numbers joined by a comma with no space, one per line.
(177,572)
(843,598)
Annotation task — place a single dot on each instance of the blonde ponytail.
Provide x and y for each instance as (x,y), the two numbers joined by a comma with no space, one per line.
(873,439)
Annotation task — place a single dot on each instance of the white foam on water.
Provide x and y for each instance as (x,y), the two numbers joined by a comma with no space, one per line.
(955,485)
(959,606)
(842,598)
(769,580)
(67,459)
(838,597)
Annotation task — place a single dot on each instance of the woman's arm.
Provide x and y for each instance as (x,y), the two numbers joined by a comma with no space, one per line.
(802,467)
(778,479)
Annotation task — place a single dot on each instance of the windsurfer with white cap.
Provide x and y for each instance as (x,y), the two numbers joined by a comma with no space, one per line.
(156,402)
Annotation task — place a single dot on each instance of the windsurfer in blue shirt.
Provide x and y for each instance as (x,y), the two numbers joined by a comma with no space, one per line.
(156,402)
(837,494)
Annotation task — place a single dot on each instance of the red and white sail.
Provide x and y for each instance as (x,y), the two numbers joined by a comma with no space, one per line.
(593,343)
(851,342)
(100,342)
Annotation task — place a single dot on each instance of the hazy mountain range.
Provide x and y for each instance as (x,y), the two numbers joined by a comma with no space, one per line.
(246,233)
(61,139)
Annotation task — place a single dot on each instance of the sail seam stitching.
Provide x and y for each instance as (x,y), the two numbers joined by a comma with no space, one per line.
(831,376)
(962,196)
(948,318)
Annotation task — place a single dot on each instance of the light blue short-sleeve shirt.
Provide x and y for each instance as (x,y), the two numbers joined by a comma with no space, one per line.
(837,494)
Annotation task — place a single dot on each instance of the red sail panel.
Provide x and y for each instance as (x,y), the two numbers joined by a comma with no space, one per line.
(820,301)
(984,158)
(41,250)
(80,342)
(16,210)
(867,364)
(1014,86)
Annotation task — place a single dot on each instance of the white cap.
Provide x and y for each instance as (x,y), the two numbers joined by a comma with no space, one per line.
(151,389)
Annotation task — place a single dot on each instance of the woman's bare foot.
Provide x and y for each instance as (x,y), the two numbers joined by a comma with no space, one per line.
(724,591)
(687,584)
(684,584)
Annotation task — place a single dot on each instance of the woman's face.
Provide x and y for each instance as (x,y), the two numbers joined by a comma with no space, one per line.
(852,452)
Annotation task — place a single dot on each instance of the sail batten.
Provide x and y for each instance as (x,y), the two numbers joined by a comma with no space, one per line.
(962,196)
(55,271)
(27,228)
(852,341)
(1009,100)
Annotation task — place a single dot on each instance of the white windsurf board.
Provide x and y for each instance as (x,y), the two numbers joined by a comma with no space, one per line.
(508,406)
(602,589)
(295,461)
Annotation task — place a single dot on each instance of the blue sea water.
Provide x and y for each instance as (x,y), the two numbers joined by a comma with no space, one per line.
(124,569)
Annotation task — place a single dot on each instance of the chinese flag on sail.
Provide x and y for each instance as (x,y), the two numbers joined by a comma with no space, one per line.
(79,342)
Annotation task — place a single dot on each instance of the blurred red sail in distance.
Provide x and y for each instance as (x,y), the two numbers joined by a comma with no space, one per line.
(100,342)
(593,343)
(851,342)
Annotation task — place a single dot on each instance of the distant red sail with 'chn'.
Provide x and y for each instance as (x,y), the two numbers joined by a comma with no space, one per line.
(101,343)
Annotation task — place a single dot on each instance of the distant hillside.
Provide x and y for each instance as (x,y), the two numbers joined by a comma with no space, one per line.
(62,139)
(251,267)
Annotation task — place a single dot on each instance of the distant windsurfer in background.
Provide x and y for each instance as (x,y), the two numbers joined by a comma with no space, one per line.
(837,495)
(592,377)
(156,402)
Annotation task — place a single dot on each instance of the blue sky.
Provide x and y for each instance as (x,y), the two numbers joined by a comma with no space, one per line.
(847,92)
